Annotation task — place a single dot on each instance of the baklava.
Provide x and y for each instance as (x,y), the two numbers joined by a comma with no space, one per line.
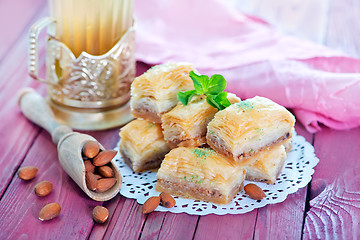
(268,163)
(200,174)
(185,126)
(244,128)
(142,145)
(155,92)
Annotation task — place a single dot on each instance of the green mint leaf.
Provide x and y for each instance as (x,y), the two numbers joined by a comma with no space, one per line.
(222,99)
(200,82)
(218,101)
(185,97)
(211,100)
(217,84)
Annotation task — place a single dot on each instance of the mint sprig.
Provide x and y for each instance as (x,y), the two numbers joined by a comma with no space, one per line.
(213,89)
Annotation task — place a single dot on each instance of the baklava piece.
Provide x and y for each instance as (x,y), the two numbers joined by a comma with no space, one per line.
(245,128)
(142,145)
(155,92)
(200,174)
(185,126)
(268,163)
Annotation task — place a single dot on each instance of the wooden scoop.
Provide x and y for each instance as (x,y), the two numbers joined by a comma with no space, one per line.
(69,143)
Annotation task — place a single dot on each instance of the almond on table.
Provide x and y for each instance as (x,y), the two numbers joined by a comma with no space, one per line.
(27,173)
(254,191)
(150,205)
(49,211)
(100,214)
(43,188)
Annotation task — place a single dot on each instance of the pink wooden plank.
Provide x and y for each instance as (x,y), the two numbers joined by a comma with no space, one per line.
(17,134)
(335,212)
(19,206)
(16,19)
(226,227)
(127,220)
(178,226)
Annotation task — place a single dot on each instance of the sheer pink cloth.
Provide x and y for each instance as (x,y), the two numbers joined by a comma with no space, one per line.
(321,85)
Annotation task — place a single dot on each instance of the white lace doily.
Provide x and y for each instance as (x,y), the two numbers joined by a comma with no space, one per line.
(296,174)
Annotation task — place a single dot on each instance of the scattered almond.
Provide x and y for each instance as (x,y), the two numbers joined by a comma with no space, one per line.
(88,166)
(27,173)
(43,188)
(106,171)
(104,157)
(254,191)
(91,149)
(91,180)
(150,205)
(49,211)
(100,214)
(167,200)
(105,184)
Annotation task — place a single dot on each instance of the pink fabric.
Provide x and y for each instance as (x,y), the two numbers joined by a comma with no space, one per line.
(321,85)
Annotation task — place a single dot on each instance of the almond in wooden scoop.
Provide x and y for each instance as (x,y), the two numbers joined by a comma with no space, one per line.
(43,188)
(88,166)
(254,191)
(106,171)
(167,200)
(150,205)
(50,211)
(104,157)
(91,149)
(105,184)
(100,214)
(91,180)
(27,173)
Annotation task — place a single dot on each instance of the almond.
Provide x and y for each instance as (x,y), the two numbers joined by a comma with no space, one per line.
(27,173)
(91,181)
(50,211)
(167,200)
(100,214)
(150,205)
(97,176)
(105,184)
(43,188)
(88,166)
(104,157)
(91,149)
(254,191)
(106,171)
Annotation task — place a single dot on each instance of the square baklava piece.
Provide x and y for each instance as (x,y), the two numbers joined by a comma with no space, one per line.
(155,92)
(245,128)
(200,174)
(142,145)
(185,126)
(268,163)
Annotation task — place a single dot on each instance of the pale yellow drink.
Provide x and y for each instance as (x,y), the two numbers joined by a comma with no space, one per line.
(92,26)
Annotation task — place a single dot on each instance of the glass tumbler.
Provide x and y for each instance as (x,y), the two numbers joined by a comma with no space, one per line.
(90,61)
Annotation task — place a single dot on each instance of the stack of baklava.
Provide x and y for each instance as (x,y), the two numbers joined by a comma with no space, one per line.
(203,153)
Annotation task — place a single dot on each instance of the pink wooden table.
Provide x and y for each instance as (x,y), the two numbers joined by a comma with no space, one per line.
(328,208)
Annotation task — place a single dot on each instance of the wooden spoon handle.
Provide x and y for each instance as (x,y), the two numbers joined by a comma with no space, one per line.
(35,108)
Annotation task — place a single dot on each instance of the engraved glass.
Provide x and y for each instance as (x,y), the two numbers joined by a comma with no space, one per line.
(90,61)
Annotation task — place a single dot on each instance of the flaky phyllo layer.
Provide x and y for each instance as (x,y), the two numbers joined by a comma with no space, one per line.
(154,92)
(142,145)
(200,173)
(249,126)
